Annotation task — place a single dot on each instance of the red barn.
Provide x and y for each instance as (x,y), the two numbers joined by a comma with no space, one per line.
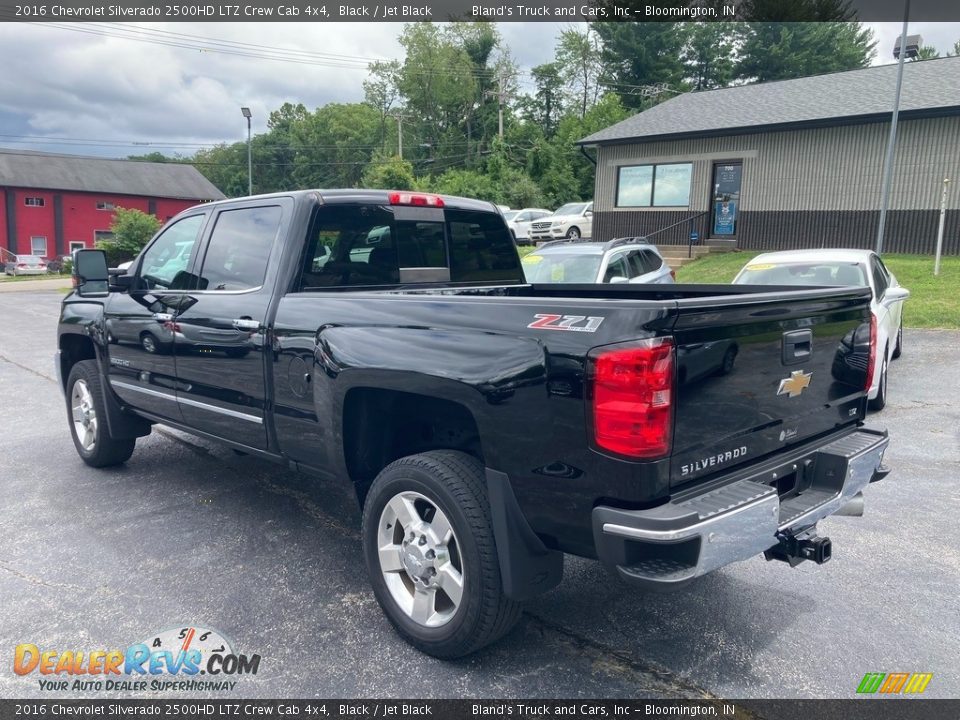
(53,204)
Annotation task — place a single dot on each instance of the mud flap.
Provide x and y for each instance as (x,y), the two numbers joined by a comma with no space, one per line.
(527,567)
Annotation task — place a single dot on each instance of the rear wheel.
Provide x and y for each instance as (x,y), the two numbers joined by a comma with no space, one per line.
(430,552)
(880,401)
(87,416)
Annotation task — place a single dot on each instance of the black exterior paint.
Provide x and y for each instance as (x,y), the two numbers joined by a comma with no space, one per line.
(321,354)
(907,231)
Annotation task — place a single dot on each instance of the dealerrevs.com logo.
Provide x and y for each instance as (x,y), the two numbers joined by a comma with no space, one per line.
(172,660)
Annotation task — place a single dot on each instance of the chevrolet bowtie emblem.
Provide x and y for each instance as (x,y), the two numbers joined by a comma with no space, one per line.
(795,384)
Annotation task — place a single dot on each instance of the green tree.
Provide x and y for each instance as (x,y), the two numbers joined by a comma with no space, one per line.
(546,105)
(926,52)
(578,55)
(782,51)
(380,92)
(389,174)
(708,56)
(131,229)
(640,54)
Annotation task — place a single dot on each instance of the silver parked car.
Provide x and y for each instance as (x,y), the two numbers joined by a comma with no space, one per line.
(624,260)
(26,265)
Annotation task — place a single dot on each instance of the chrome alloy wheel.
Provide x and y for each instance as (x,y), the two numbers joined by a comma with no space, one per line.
(420,559)
(84,415)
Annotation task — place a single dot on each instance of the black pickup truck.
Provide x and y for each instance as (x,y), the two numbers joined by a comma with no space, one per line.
(487,426)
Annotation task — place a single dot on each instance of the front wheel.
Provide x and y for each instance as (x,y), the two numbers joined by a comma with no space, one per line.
(898,348)
(430,552)
(87,417)
(573,233)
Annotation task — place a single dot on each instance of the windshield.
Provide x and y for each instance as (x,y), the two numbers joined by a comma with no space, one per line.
(510,215)
(561,268)
(803,273)
(571,209)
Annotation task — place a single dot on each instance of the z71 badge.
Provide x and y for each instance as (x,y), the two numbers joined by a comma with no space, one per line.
(571,323)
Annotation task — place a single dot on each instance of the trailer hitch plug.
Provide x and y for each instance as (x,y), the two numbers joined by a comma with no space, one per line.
(818,549)
(794,549)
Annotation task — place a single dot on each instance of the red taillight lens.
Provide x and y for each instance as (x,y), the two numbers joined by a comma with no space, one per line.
(631,388)
(673,274)
(419,199)
(21,265)
(873,351)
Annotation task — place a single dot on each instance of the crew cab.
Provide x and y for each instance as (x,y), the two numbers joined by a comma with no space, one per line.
(487,426)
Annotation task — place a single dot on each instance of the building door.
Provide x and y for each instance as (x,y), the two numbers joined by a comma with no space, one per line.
(725,200)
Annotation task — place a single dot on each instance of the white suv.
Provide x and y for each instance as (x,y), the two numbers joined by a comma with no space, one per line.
(573,220)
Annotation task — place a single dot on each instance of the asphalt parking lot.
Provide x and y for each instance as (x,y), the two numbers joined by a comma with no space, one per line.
(188,533)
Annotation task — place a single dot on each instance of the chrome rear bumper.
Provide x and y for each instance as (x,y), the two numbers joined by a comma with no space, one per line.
(740,518)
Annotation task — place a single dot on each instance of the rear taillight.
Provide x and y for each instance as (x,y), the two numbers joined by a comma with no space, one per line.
(873,351)
(417,199)
(21,265)
(673,274)
(631,395)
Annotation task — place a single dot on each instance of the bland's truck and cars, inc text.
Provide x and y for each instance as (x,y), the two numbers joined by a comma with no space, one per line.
(486,426)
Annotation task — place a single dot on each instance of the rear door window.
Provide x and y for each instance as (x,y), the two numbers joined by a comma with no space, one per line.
(239,248)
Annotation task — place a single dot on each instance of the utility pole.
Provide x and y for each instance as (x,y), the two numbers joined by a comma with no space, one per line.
(892,141)
(501,94)
(399,117)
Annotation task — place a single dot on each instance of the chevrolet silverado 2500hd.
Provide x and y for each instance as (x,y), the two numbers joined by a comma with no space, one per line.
(487,426)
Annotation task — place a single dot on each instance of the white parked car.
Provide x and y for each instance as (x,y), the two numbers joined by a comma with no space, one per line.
(573,220)
(519,222)
(624,260)
(842,267)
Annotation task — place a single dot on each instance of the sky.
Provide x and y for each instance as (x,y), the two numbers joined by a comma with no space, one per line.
(89,90)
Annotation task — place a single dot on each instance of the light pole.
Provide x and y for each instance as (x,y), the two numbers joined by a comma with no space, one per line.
(906,46)
(943,212)
(248,115)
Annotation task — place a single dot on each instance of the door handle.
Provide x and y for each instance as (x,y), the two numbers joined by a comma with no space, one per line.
(797,347)
(163,317)
(246,324)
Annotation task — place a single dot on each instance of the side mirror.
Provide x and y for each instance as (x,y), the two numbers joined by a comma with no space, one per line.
(588,213)
(895,294)
(618,279)
(91,277)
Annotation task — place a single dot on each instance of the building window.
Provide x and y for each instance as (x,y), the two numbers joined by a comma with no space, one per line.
(102,205)
(33,202)
(38,246)
(100,235)
(77,245)
(666,185)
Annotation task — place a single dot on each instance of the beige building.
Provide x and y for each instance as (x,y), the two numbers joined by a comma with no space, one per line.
(788,164)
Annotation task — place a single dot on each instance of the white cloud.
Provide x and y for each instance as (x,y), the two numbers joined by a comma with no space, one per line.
(69,84)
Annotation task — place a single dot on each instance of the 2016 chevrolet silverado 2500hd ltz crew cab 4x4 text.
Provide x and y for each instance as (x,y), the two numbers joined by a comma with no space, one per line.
(486,425)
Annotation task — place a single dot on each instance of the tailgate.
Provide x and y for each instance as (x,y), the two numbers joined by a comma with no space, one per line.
(760,372)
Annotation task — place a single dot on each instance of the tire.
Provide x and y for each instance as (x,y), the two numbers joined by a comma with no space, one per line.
(426,496)
(87,418)
(573,233)
(729,358)
(898,348)
(151,344)
(880,401)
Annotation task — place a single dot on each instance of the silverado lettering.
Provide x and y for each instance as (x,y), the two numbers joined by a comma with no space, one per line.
(718,459)
(390,342)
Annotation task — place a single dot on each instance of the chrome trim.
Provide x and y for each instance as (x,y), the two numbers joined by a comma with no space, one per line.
(749,529)
(145,391)
(222,411)
(188,401)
